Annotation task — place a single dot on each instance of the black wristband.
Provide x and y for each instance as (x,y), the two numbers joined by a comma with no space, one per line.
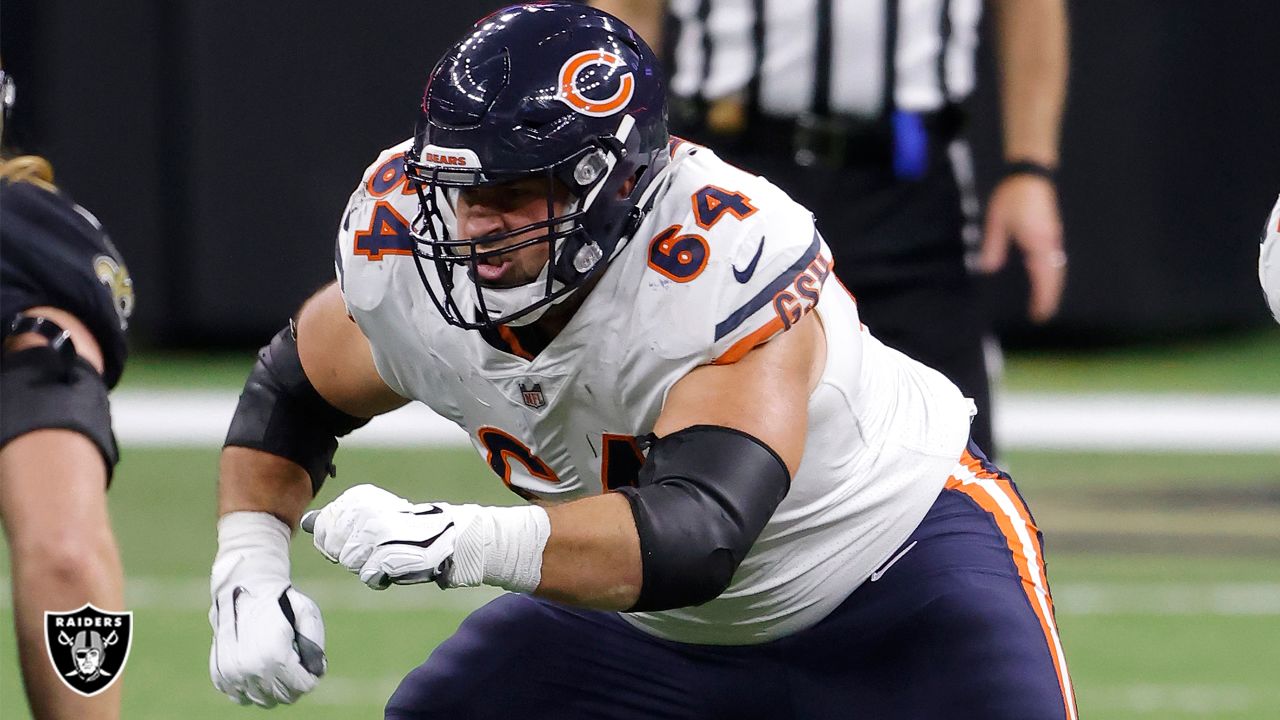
(1029,167)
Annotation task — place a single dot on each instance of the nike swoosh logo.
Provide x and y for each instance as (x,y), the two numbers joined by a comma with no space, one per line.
(309,652)
(235,610)
(418,543)
(885,568)
(743,276)
(433,510)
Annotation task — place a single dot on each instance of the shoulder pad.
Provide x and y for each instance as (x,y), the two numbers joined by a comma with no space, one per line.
(375,227)
(731,259)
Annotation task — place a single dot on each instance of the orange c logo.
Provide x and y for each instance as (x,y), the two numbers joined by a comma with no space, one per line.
(571,92)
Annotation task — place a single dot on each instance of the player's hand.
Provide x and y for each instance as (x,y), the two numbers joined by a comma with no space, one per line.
(384,539)
(1024,209)
(1269,261)
(268,638)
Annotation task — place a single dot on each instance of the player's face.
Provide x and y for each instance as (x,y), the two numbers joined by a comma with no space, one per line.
(495,209)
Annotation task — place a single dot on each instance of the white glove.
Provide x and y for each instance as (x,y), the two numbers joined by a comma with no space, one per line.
(268,639)
(385,539)
(1269,261)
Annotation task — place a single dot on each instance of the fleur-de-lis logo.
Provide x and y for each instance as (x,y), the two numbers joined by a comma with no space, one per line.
(115,276)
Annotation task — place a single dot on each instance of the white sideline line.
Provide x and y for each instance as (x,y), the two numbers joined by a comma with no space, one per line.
(1190,423)
(1224,599)
(167,418)
(1229,423)
(1257,599)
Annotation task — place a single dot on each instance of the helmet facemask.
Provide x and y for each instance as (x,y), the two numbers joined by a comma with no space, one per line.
(557,91)
(592,175)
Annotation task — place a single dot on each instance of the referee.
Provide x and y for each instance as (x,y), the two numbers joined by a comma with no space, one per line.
(853,108)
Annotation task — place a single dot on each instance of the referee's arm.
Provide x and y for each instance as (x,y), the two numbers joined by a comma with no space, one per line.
(1032,47)
(644,16)
(1032,53)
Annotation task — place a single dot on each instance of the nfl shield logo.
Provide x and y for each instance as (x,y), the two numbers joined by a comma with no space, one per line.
(532,395)
(88,647)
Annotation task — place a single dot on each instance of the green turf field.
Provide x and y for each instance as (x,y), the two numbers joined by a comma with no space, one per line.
(1170,617)
(1246,362)
(1166,568)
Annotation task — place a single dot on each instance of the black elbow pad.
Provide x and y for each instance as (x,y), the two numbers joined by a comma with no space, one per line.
(42,388)
(280,412)
(703,497)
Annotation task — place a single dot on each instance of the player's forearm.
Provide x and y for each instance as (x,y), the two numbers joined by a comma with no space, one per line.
(52,495)
(593,555)
(1032,50)
(93,575)
(257,481)
(63,554)
(298,400)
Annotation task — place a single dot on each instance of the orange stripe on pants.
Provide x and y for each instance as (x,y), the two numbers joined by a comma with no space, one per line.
(982,490)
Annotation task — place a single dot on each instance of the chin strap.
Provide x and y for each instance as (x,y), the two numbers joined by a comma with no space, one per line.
(521,296)
(498,302)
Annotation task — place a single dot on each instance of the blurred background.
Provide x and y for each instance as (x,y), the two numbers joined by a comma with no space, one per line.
(218,142)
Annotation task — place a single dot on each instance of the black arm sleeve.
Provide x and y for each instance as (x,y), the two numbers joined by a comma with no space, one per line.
(43,389)
(280,412)
(703,497)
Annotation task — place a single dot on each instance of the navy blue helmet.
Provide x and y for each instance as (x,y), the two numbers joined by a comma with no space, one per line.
(556,91)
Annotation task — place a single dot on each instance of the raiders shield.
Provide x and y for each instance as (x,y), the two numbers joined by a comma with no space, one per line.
(88,647)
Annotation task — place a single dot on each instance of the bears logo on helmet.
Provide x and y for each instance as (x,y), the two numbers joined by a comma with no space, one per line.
(572,90)
(558,93)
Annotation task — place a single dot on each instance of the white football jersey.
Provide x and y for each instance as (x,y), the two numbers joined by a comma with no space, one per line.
(722,263)
(1269,261)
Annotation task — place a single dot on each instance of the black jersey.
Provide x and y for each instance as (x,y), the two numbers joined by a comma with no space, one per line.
(53,252)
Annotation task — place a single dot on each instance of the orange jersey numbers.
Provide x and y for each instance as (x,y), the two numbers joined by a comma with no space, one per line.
(387,234)
(711,203)
(620,462)
(679,257)
(389,176)
(503,449)
(683,257)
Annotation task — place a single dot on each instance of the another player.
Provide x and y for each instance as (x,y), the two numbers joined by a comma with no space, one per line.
(1269,261)
(742,504)
(65,300)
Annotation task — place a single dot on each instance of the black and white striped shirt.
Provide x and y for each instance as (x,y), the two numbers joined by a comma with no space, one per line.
(828,57)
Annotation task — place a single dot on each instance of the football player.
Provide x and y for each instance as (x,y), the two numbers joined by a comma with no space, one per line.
(741,504)
(65,300)
(1269,261)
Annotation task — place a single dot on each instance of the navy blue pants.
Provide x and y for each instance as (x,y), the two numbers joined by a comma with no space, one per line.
(958,623)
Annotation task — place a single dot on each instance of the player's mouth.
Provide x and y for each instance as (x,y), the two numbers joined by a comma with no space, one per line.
(496,271)
(491,270)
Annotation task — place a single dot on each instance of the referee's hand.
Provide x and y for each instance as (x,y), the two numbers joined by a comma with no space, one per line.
(1024,209)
